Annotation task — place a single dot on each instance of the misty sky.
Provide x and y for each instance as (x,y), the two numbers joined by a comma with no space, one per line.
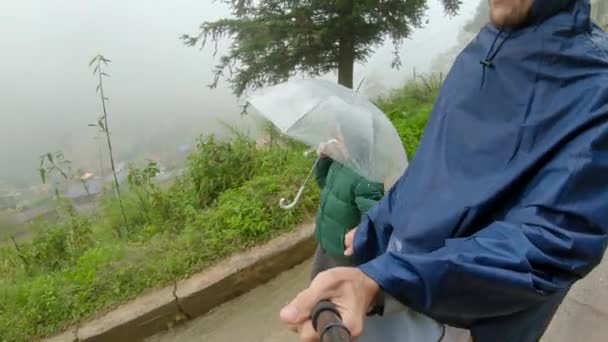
(157,88)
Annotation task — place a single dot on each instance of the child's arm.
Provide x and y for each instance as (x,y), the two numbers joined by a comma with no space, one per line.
(321,170)
(367,195)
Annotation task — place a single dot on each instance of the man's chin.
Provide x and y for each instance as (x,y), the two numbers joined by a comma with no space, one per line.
(505,16)
(500,17)
(505,22)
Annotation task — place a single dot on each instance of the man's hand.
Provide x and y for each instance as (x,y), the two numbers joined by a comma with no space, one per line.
(349,240)
(348,288)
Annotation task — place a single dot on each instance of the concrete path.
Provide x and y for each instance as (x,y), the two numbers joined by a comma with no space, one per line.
(252,317)
(583,316)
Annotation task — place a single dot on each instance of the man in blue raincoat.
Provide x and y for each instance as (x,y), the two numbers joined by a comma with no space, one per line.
(505,204)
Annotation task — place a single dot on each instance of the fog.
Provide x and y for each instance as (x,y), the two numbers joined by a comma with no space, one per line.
(158,91)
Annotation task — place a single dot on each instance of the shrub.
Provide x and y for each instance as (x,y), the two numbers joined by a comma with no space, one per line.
(218,166)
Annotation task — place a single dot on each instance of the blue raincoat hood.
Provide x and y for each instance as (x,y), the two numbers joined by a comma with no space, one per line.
(543,9)
(505,204)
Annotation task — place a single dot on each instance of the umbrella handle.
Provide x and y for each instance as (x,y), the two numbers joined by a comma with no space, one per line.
(283,203)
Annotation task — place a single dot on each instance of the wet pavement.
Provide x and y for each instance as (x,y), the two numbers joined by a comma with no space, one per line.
(583,316)
(253,317)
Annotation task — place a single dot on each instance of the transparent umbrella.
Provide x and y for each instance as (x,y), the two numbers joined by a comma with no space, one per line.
(355,132)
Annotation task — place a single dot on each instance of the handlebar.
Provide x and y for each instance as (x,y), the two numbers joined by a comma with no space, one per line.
(328,323)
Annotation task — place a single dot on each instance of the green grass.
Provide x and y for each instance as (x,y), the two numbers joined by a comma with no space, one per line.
(8,226)
(409,109)
(226,202)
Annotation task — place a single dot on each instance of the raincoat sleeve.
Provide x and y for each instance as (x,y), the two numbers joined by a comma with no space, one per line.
(372,238)
(554,236)
(321,170)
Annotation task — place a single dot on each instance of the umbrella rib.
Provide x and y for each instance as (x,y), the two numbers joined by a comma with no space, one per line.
(304,115)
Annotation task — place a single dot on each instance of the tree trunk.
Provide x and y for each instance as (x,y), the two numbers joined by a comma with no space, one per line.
(346,62)
(346,46)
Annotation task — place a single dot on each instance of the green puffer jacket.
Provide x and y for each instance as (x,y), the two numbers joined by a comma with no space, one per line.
(345,198)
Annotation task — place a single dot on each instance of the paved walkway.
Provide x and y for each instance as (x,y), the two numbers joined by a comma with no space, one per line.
(253,317)
(583,316)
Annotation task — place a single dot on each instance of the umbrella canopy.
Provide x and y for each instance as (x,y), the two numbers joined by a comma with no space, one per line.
(318,111)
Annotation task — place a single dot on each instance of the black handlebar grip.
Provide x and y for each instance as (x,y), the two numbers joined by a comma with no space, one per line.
(328,323)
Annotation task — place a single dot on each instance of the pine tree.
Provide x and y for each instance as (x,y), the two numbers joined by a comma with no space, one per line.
(273,40)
